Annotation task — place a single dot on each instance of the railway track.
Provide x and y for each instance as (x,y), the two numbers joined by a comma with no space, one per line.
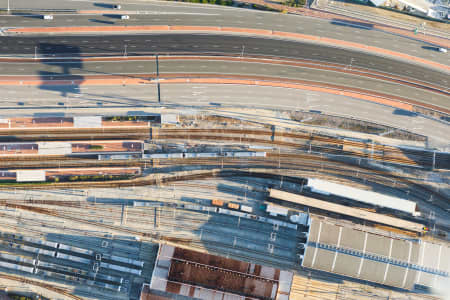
(153,237)
(26,281)
(317,165)
(66,134)
(340,147)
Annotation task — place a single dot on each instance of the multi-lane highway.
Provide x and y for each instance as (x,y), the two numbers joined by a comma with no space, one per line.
(161,13)
(213,44)
(240,67)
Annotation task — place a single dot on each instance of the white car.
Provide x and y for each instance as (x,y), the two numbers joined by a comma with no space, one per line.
(125,17)
(48,17)
(443,50)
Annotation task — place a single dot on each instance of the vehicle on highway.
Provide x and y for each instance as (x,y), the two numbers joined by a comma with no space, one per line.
(117,6)
(444,50)
(47,17)
(125,17)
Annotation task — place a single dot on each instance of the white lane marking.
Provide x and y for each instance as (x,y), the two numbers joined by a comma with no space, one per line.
(409,259)
(318,241)
(387,265)
(364,251)
(337,245)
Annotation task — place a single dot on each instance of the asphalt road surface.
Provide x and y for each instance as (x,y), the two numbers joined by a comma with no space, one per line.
(213,44)
(171,13)
(186,97)
(79,68)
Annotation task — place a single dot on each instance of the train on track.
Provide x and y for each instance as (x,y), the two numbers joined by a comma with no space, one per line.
(74,263)
(181,155)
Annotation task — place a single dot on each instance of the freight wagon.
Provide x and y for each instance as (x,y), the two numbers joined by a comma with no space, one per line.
(232,205)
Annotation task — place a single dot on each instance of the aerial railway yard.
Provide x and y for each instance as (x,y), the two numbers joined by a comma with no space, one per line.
(91,183)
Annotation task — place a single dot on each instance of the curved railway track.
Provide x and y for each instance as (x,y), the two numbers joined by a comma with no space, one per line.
(26,281)
(318,165)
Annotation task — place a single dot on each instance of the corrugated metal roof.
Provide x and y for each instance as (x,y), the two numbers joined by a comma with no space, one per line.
(87,122)
(54,148)
(169,119)
(374,198)
(30,175)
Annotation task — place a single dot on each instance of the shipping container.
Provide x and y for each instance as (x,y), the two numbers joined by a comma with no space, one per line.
(246,208)
(217,202)
(232,205)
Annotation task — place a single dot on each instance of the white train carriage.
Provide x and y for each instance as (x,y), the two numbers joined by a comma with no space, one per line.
(17,258)
(75,249)
(108,286)
(37,250)
(121,259)
(201,155)
(244,154)
(120,268)
(40,242)
(73,258)
(117,280)
(162,155)
(16,267)
(118,156)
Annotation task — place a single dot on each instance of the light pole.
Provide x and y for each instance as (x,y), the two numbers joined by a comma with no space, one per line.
(8,7)
(242,53)
(35,52)
(125,51)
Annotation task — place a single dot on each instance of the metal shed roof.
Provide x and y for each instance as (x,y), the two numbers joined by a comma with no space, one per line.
(369,256)
(369,197)
(30,175)
(54,148)
(87,122)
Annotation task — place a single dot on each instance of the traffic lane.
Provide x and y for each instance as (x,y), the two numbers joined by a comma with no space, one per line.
(146,67)
(106,5)
(242,18)
(201,96)
(214,44)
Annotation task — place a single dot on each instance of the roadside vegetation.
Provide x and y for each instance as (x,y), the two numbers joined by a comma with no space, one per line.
(294,3)
(231,3)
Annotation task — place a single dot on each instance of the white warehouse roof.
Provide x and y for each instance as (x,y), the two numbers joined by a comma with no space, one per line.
(54,148)
(30,175)
(87,122)
(327,187)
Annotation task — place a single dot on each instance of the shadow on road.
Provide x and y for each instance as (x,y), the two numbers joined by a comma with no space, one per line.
(433,48)
(104,5)
(62,80)
(101,21)
(402,112)
(353,24)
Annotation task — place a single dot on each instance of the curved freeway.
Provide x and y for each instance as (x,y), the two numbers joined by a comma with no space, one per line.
(163,13)
(214,44)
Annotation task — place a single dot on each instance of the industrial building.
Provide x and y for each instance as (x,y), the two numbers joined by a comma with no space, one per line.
(194,274)
(387,260)
(368,197)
